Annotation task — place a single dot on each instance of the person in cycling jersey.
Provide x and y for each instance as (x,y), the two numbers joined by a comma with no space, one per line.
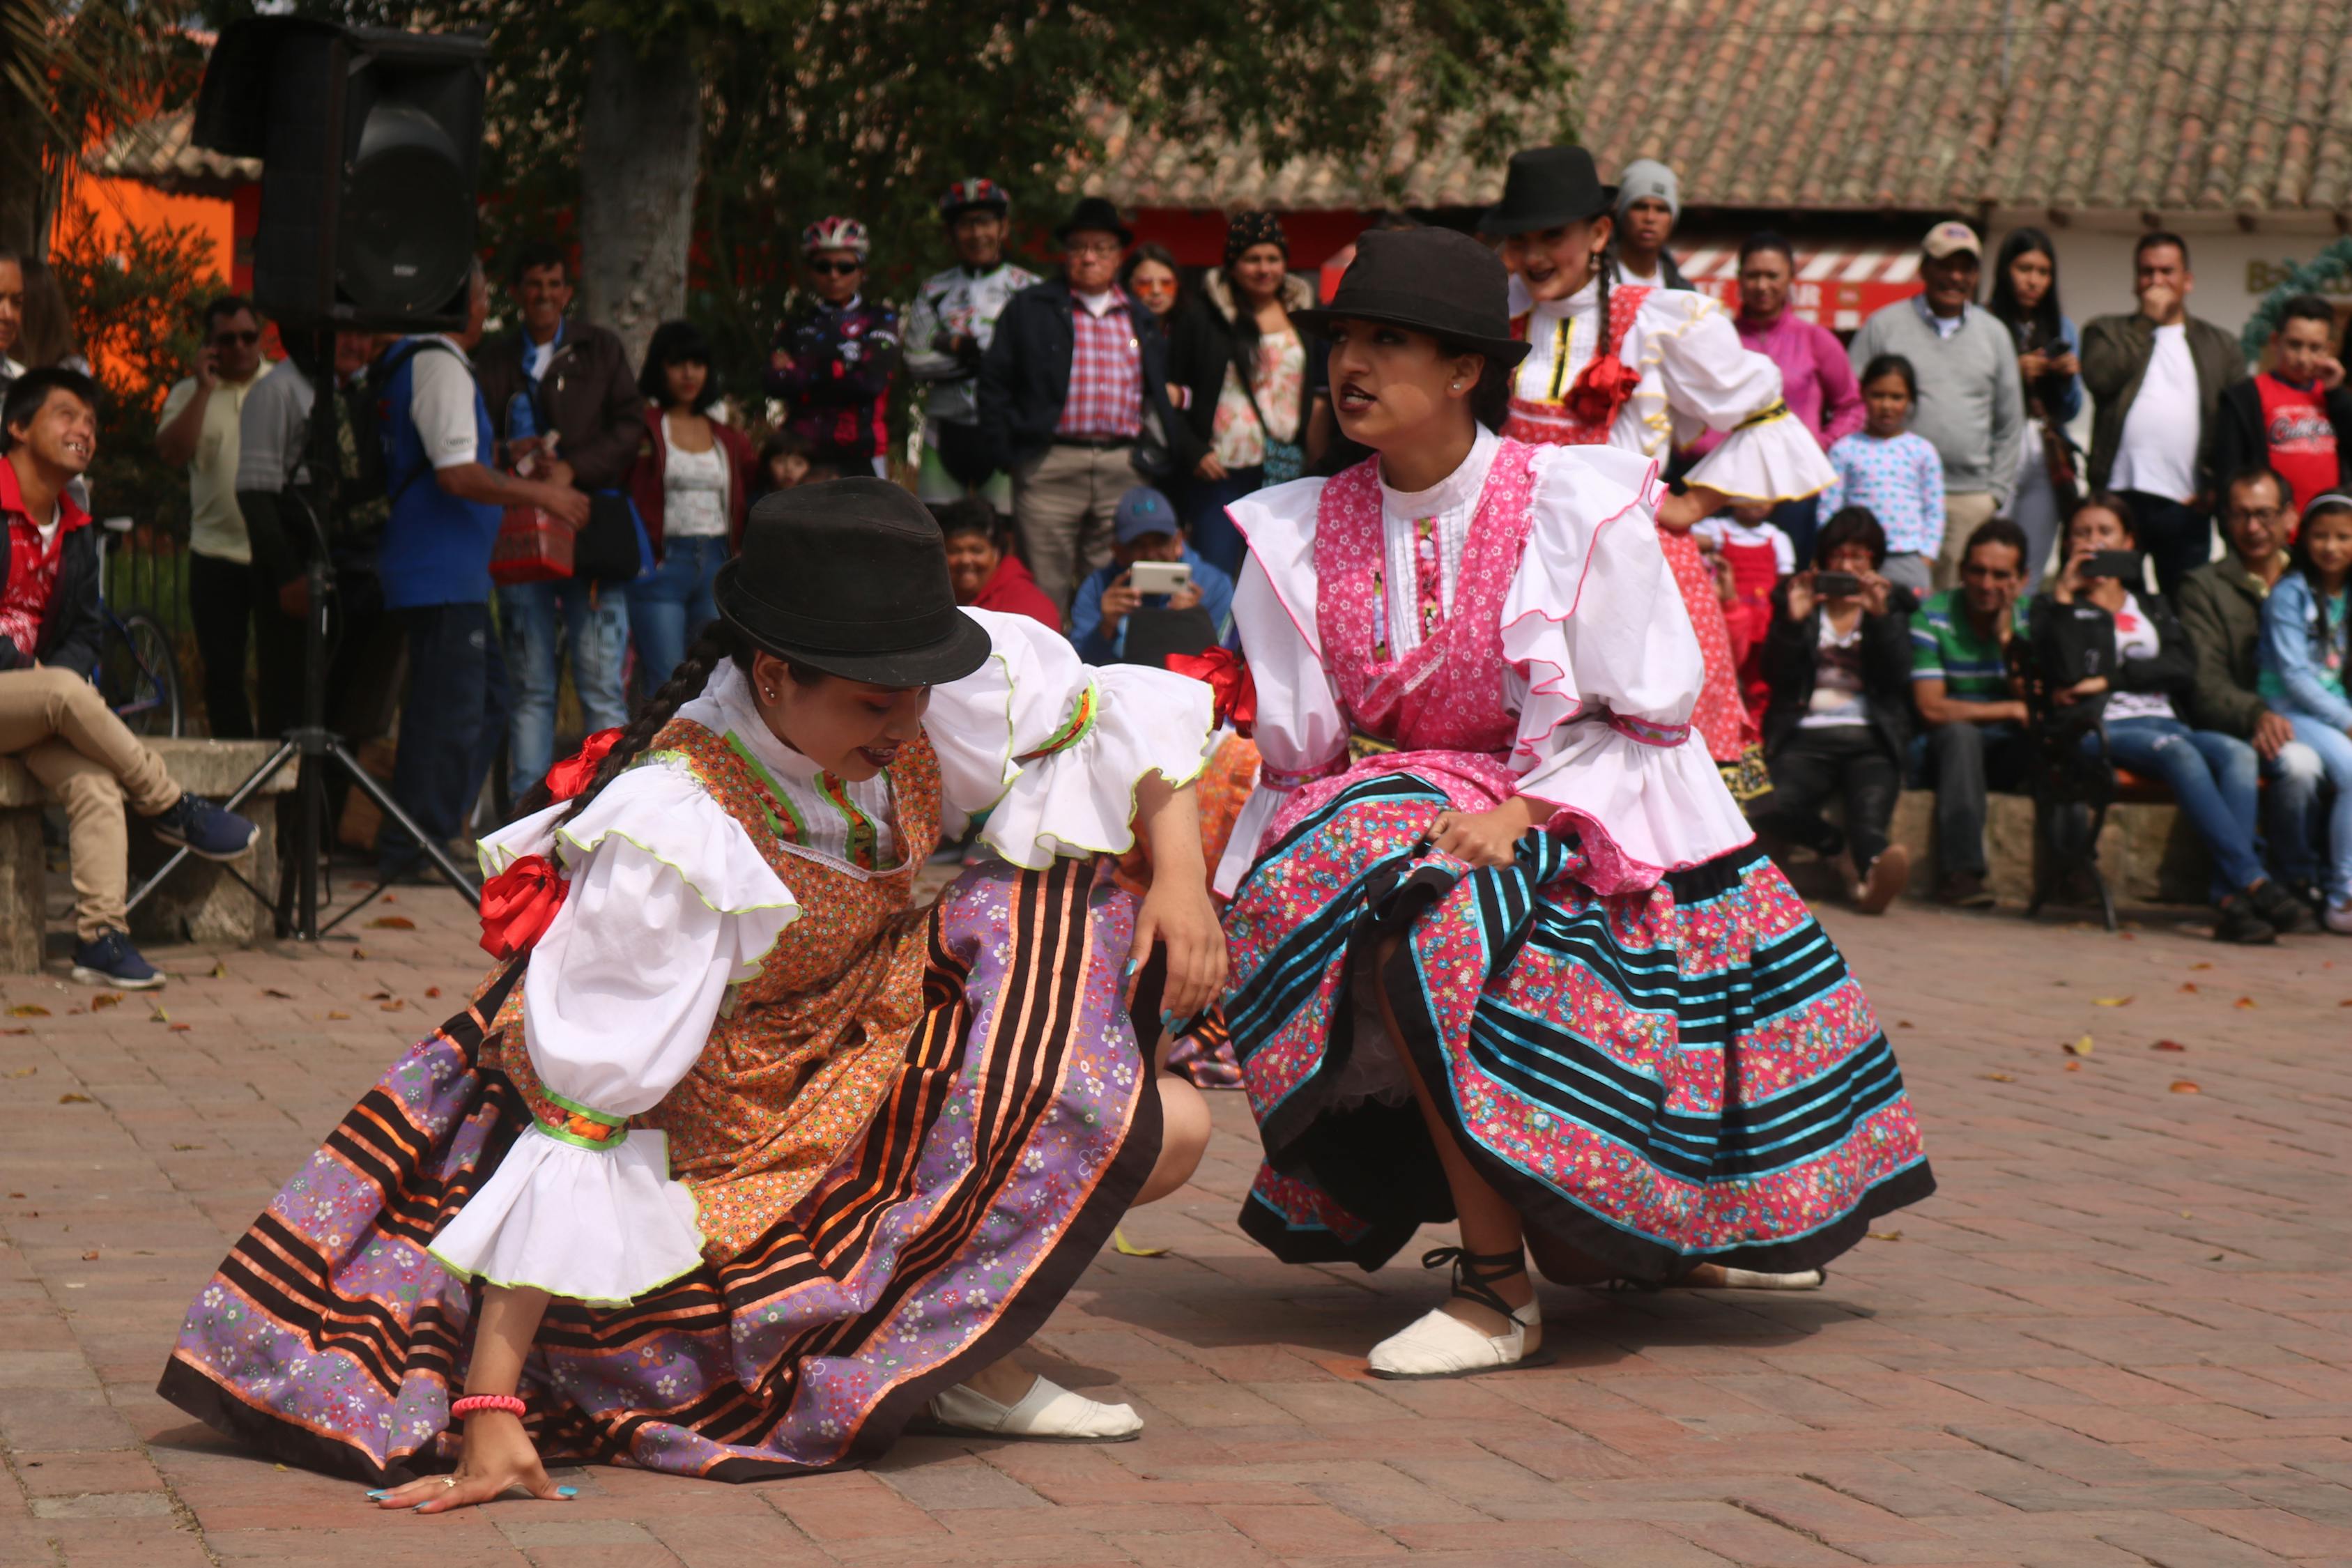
(835,354)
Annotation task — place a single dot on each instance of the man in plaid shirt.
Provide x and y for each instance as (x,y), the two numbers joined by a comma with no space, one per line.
(1076,379)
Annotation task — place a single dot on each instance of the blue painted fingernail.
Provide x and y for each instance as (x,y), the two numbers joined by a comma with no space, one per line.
(567,1491)
(379,1496)
(1133,964)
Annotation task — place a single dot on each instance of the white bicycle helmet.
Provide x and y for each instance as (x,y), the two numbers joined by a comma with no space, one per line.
(835,233)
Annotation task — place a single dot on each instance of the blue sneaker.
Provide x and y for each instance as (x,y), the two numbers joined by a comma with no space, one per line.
(113,961)
(203,829)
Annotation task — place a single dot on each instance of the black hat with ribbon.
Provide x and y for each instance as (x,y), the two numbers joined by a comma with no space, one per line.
(1546,187)
(1432,280)
(1094,213)
(850,576)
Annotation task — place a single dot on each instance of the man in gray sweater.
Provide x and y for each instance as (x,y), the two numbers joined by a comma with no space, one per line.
(1971,404)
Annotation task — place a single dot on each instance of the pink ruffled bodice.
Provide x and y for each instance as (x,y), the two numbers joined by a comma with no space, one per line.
(1441,704)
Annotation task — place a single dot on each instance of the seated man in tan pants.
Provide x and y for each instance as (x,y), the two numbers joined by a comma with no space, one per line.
(51,718)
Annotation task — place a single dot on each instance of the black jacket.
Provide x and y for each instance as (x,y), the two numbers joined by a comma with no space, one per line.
(1791,651)
(70,627)
(587,394)
(2240,442)
(1024,378)
(1205,341)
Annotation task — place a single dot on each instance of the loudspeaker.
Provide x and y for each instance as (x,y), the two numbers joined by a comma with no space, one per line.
(368,140)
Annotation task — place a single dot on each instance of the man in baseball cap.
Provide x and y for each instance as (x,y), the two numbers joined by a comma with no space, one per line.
(1972,402)
(1144,528)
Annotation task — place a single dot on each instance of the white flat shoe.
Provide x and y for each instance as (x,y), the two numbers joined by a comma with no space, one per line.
(1048,1413)
(1756,1280)
(1439,1344)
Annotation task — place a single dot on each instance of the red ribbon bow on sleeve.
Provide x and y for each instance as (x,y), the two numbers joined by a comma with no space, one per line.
(519,903)
(1602,389)
(570,776)
(1229,678)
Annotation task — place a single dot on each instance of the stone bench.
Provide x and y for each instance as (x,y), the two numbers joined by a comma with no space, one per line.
(2147,852)
(200,901)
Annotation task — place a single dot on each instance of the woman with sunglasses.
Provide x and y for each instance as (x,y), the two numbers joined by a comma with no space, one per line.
(1503,950)
(834,359)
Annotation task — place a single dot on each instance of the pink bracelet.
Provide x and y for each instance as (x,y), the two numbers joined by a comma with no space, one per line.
(473,1402)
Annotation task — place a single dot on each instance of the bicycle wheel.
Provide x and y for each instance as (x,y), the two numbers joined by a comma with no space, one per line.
(140,677)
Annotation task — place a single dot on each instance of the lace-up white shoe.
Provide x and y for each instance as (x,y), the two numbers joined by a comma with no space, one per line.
(1048,1413)
(1441,1345)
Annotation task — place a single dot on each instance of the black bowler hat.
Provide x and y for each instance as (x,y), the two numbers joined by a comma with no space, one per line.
(1433,280)
(850,576)
(1094,212)
(1545,188)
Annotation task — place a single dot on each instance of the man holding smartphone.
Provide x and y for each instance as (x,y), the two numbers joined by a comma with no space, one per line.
(198,427)
(1151,568)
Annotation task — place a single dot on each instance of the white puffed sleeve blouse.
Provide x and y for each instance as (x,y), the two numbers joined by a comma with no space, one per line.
(671,904)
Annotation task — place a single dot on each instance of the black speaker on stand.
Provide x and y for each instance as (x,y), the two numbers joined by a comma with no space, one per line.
(368,140)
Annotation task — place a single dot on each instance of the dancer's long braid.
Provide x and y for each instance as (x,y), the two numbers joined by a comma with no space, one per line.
(717,645)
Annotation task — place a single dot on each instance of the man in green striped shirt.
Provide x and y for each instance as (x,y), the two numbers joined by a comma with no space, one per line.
(1976,722)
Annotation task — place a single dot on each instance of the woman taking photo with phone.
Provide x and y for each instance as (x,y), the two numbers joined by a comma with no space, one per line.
(2215,777)
(743,1162)
(1490,896)
(2049,362)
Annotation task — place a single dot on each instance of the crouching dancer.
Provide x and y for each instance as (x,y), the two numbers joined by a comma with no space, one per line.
(744,1163)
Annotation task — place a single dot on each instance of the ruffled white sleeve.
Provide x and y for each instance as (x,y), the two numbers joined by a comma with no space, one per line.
(1595,627)
(669,904)
(1052,748)
(1714,380)
(1300,734)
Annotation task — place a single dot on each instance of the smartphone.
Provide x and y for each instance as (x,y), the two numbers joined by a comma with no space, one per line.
(1160,576)
(1836,584)
(2120,564)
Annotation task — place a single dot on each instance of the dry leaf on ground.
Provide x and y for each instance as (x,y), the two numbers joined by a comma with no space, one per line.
(105,999)
(2189,987)
(2182,1085)
(1128,1250)
(2167,1046)
(73,1100)
(333,1017)
(2245,1004)
(282,996)
(2082,1047)
(392,1007)
(2111,1001)
(392,922)
(2000,1078)
(28,1010)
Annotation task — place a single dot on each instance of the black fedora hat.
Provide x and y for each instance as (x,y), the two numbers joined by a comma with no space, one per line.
(850,576)
(1433,280)
(1546,187)
(1094,212)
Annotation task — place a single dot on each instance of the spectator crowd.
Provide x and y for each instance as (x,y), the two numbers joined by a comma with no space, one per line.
(1976,603)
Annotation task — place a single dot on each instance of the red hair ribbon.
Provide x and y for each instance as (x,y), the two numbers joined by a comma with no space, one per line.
(570,776)
(1602,390)
(1230,678)
(519,903)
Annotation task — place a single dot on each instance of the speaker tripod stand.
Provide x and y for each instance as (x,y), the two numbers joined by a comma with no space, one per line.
(311,743)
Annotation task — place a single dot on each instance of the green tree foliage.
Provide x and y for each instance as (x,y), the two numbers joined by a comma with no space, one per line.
(871,106)
(135,295)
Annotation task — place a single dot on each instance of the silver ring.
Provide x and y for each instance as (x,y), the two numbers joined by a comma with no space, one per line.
(449,1483)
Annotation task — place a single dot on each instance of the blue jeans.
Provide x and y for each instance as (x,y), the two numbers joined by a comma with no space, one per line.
(2290,810)
(2212,775)
(2334,749)
(595,626)
(451,716)
(666,609)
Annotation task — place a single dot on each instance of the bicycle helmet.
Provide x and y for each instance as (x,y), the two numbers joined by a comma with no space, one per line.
(976,192)
(835,233)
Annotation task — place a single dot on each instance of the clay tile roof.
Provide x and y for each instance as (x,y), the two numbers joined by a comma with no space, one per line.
(2215,106)
(156,153)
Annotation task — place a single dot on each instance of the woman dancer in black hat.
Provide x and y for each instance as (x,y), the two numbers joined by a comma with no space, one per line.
(1505,951)
(1644,370)
(754,1164)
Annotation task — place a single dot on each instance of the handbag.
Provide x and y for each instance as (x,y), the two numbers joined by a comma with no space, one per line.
(1284,460)
(532,546)
(612,545)
(1151,456)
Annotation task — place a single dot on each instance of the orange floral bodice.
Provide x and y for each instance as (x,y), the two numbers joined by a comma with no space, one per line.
(804,1052)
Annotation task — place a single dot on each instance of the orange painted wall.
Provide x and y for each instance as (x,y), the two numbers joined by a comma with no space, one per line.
(104,205)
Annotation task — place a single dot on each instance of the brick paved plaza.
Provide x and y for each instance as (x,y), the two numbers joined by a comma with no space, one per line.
(2118,1336)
